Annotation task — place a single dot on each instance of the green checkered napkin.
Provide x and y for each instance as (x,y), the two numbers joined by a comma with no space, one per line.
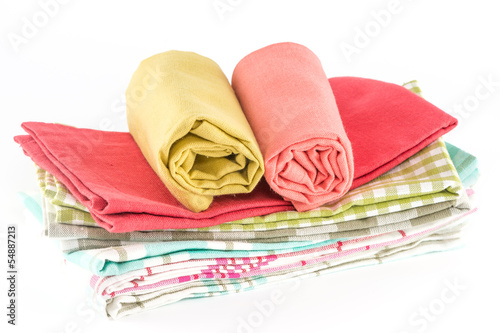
(427,178)
(75,238)
(402,219)
(81,238)
(413,87)
(117,260)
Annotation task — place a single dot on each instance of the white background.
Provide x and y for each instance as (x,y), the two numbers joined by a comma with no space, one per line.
(74,69)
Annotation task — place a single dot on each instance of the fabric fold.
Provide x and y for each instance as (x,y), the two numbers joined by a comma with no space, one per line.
(286,98)
(417,207)
(352,216)
(465,163)
(414,194)
(386,123)
(107,173)
(159,285)
(184,116)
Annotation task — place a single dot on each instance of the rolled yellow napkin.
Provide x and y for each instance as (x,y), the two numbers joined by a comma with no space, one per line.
(189,125)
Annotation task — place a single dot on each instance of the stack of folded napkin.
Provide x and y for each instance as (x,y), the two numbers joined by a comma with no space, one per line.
(221,188)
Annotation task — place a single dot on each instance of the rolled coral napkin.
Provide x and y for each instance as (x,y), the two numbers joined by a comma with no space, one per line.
(186,119)
(286,97)
(386,124)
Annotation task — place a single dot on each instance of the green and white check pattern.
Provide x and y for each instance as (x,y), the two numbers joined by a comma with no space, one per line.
(421,189)
(413,87)
(349,229)
(58,193)
(115,259)
(118,256)
(427,178)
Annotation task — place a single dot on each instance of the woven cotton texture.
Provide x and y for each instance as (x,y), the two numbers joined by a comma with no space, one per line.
(429,177)
(465,163)
(106,262)
(155,286)
(184,115)
(123,197)
(148,275)
(287,99)
(417,207)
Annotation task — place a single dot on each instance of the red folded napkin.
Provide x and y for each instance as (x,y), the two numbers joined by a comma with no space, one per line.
(287,100)
(108,174)
(386,124)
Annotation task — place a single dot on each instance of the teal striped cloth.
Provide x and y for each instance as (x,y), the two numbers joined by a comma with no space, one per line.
(113,259)
(466,165)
